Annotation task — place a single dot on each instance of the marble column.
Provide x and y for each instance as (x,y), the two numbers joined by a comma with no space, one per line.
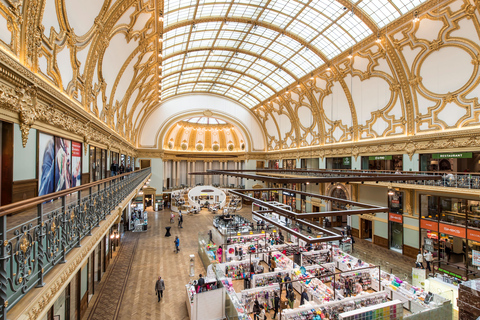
(173,174)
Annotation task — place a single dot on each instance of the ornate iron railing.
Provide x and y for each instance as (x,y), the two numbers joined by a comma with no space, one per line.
(37,234)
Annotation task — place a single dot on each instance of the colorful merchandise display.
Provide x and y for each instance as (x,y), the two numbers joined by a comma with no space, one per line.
(333,309)
(346,262)
(246,238)
(238,269)
(315,288)
(265,296)
(387,310)
(282,261)
(265,279)
(311,258)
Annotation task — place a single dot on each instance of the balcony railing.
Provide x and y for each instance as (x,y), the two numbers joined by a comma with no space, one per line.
(37,234)
(449,179)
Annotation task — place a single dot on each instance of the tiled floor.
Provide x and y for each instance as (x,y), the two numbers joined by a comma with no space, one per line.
(127,290)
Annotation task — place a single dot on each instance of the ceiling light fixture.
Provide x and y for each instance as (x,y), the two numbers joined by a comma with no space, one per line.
(415,17)
(378,38)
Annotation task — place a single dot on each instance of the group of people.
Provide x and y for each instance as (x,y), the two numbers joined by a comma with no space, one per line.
(351,287)
(259,312)
(115,169)
(426,257)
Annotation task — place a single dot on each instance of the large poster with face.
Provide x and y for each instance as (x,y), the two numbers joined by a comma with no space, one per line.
(63,176)
(46,164)
(76,164)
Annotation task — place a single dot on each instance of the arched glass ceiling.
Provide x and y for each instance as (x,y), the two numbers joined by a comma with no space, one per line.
(250,49)
(205,120)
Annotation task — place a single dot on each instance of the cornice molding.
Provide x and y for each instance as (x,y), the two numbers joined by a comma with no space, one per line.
(34,99)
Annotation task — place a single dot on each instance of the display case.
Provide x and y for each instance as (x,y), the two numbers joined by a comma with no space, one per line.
(387,310)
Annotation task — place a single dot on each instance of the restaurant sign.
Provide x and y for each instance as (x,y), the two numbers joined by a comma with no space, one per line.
(457,155)
(380,158)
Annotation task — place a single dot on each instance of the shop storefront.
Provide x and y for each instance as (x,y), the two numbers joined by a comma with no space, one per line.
(384,162)
(98,164)
(290,199)
(339,163)
(449,229)
(273,164)
(395,229)
(289,164)
(456,162)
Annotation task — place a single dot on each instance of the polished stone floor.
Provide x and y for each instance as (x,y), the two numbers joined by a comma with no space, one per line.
(127,289)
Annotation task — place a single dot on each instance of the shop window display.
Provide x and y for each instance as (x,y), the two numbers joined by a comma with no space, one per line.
(452,210)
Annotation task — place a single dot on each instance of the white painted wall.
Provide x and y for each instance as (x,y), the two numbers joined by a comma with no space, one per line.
(184,106)
(357,164)
(411,165)
(24,159)
(157,174)
(85,159)
(322,163)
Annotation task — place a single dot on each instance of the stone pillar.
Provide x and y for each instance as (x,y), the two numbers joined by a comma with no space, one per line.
(174,173)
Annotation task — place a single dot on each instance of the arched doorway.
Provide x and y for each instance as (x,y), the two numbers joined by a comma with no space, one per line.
(339,191)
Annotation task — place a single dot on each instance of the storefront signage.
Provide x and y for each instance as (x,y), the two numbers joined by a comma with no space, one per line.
(450,273)
(395,217)
(380,158)
(430,225)
(475,258)
(346,161)
(452,230)
(290,194)
(473,235)
(457,155)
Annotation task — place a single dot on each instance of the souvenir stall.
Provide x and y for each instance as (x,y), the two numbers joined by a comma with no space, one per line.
(236,223)
(282,261)
(234,308)
(265,279)
(242,251)
(317,291)
(237,269)
(206,303)
(333,309)
(346,262)
(246,238)
(310,258)
(363,277)
(392,309)
(264,295)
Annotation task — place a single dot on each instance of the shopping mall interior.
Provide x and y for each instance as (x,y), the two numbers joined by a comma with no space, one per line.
(296,159)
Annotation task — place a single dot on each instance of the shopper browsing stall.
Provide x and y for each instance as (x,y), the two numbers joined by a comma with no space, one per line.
(419,262)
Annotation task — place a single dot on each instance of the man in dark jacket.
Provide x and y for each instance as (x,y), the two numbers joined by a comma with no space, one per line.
(159,287)
(201,281)
(303,298)
(276,305)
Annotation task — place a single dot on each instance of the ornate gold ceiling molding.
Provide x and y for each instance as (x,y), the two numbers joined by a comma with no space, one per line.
(191,156)
(34,99)
(444,141)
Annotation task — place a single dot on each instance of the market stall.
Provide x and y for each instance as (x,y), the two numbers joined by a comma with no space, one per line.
(206,304)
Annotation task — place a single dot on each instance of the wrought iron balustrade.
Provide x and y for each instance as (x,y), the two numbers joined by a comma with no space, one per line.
(37,234)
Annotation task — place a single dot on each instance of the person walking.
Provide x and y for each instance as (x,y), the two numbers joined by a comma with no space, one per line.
(419,262)
(159,287)
(291,297)
(180,219)
(428,257)
(304,298)
(276,305)
(113,168)
(256,310)
(348,287)
(273,263)
(262,313)
(177,244)
(219,254)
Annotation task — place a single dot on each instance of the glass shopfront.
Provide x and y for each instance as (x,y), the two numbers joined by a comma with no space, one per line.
(290,198)
(273,164)
(383,162)
(449,228)
(456,162)
(289,164)
(395,222)
(339,163)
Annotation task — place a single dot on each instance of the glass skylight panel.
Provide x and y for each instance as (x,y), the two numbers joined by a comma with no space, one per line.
(215,10)
(219,88)
(275,18)
(313,59)
(407,5)
(341,38)
(326,46)
(354,26)
(199,86)
(262,91)
(315,19)
(258,71)
(382,12)
(184,88)
(286,10)
(244,11)
(294,68)
(168,92)
(194,120)
(305,31)
(331,9)
(249,101)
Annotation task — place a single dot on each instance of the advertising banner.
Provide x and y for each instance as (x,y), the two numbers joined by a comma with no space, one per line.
(452,230)
(63,176)
(430,225)
(475,258)
(46,164)
(395,217)
(76,164)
